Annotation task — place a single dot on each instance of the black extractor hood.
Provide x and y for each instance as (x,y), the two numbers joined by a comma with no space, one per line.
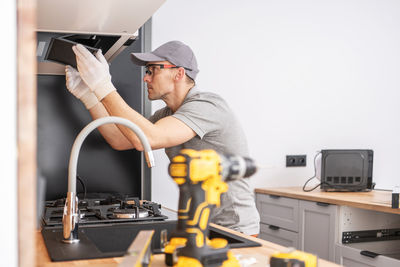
(109,25)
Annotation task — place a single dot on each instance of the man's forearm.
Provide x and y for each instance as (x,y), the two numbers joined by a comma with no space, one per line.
(111,133)
(116,106)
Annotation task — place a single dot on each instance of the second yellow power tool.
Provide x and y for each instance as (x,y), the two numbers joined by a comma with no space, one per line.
(201,177)
(293,258)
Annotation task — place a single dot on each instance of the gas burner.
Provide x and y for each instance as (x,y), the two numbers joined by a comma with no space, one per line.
(105,208)
(130,213)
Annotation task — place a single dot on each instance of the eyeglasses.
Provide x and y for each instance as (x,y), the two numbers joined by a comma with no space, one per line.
(150,70)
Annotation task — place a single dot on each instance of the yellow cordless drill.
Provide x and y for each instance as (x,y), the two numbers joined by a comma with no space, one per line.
(201,177)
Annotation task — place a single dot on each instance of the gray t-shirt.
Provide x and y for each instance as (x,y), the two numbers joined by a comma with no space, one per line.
(209,116)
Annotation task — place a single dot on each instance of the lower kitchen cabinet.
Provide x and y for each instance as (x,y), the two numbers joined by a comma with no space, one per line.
(279,219)
(305,225)
(278,211)
(343,233)
(279,235)
(387,254)
(318,228)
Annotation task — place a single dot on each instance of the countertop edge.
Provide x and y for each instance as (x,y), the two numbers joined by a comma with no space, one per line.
(363,200)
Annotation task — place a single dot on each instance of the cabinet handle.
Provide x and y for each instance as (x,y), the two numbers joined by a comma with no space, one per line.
(369,253)
(273,227)
(274,196)
(323,204)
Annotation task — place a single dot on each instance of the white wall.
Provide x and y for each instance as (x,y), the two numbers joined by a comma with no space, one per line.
(8,144)
(302,75)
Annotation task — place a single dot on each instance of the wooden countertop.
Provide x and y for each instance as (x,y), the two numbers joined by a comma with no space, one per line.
(374,200)
(261,254)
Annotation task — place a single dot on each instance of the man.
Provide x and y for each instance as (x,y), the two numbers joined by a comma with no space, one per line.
(191,118)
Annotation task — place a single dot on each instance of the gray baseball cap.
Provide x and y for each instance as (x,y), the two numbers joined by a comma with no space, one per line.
(175,52)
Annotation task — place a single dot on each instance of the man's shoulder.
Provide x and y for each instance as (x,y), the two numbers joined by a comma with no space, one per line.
(199,95)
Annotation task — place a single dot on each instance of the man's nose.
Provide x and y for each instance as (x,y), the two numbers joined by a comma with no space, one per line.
(146,78)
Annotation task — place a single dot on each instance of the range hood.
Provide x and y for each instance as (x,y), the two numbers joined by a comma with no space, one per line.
(109,25)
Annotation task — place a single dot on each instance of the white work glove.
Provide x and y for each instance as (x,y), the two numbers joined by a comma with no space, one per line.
(94,71)
(78,88)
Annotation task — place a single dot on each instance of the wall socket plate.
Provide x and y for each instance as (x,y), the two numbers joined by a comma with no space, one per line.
(296,160)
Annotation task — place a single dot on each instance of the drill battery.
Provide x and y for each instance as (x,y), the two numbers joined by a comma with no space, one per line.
(293,258)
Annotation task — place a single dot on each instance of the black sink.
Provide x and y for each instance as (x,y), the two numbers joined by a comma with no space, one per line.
(102,241)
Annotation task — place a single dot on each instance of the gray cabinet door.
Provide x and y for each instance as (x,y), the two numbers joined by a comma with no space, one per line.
(318,228)
(279,236)
(351,257)
(278,211)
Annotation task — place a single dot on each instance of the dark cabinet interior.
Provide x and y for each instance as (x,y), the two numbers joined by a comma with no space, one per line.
(60,119)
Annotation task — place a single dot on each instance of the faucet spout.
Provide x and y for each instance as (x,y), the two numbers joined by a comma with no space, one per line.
(70,219)
(71,212)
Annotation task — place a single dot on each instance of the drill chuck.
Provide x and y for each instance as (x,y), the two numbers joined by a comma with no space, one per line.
(237,167)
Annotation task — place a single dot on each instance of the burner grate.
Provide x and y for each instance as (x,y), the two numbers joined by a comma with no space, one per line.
(105,209)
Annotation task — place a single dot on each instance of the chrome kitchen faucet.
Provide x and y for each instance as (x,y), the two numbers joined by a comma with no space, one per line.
(70,219)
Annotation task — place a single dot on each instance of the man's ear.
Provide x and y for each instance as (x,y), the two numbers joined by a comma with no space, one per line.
(180,74)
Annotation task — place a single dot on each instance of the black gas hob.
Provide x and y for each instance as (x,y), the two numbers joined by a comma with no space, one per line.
(97,208)
(110,222)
